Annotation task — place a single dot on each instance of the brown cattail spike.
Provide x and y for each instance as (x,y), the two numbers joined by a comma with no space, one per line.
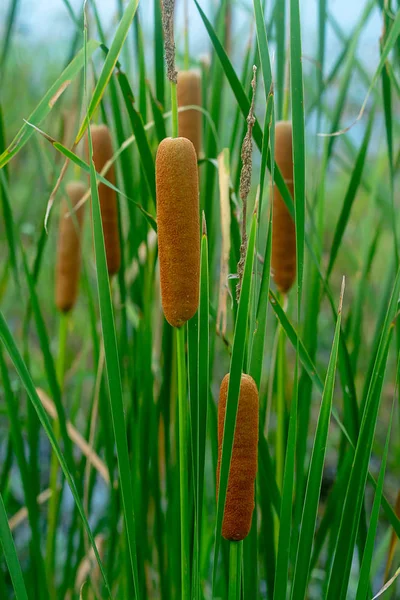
(239,503)
(189,94)
(178,226)
(283,260)
(102,153)
(69,248)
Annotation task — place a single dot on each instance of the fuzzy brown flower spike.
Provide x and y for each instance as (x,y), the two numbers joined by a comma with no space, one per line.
(102,153)
(283,259)
(69,248)
(239,503)
(178,226)
(189,94)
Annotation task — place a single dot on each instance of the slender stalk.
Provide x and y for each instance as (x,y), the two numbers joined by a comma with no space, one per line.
(280,409)
(174,109)
(54,498)
(183,461)
(186,17)
(235,565)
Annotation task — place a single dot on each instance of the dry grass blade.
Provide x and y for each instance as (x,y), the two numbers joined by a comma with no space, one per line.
(393,541)
(387,585)
(21,515)
(76,437)
(89,569)
(223,175)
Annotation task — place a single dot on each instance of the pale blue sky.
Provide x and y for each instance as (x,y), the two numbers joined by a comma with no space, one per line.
(48,21)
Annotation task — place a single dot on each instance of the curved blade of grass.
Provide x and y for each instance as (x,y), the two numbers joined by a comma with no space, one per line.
(387,108)
(350,195)
(339,576)
(317,381)
(29,493)
(158,117)
(8,341)
(8,31)
(310,510)
(299,168)
(10,554)
(85,167)
(113,371)
(135,118)
(388,46)
(236,366)
(280,32)
(159,53)
(203,367)
(44,344)
(296,341)
(47,103)
(364,577)
(109,63)
(244,103)
(257,350)
(7,213)
(263,49)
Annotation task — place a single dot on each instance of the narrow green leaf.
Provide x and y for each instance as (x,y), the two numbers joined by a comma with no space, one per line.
(10,554)
(8,341)
(339,576)
(314,481)
(285,527)
(110,62)
(85,167)
(364,577)
(244,103)
(46,104)
(350,195)
(232,402)
(135,118)
(299,169)
(113,371)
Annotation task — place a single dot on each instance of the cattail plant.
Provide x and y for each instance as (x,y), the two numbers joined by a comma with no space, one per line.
(189,94)
(239,503)
(102,153)
(69,248)
(178,228)
(283,259)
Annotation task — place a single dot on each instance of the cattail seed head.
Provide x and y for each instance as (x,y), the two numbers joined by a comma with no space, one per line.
(283,259)
(189,94)
(178,226)
(102,153)
(69,248)
(239,503)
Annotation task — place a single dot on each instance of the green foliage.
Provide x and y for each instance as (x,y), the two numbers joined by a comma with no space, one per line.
(127,457)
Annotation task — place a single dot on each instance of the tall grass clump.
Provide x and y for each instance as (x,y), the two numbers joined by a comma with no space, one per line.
(242,162)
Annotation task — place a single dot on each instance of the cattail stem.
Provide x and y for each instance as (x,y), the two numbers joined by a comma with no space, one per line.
(174,109)
(62,346)
(55,496)
(186,32)
(280,409)
(183,461)
(235,564)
